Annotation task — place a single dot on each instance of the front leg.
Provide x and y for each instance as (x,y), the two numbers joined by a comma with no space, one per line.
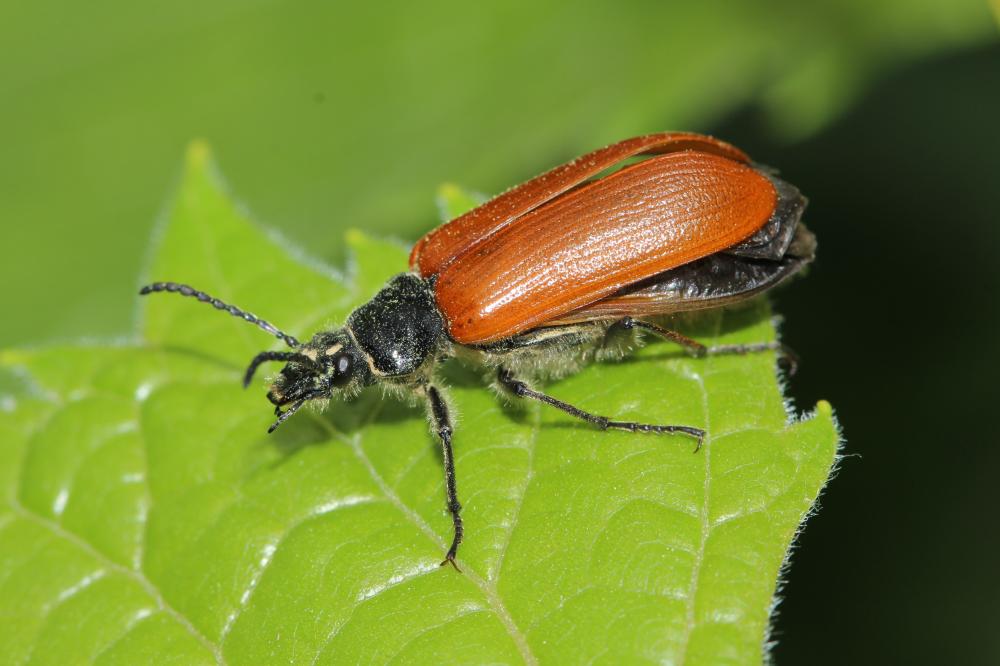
(442,426)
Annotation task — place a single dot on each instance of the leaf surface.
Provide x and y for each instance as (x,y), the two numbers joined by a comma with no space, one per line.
(147,517)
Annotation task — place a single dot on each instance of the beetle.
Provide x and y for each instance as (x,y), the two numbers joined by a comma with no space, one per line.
(547,273)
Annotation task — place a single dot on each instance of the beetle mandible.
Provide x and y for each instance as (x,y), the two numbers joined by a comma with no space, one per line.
(551,269)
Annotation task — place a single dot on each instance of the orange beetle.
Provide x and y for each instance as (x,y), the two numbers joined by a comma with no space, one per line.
(551,269)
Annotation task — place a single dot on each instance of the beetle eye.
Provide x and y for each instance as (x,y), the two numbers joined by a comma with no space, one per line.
(342,369)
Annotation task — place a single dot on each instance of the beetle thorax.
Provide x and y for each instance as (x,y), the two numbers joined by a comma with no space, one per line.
(400,329)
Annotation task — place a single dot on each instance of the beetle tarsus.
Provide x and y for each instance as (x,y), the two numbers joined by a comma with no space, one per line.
(449,558)
(786,355)
(632,426)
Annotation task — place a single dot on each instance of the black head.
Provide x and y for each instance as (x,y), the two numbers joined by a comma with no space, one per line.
(329,363)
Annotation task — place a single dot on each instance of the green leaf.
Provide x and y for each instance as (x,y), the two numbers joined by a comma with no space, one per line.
(453,201)
(147,518)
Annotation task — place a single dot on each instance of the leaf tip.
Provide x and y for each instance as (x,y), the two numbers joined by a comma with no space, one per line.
(198,154)
(824,408)
(448,191)
(9,357)
(453,201)
(354,236)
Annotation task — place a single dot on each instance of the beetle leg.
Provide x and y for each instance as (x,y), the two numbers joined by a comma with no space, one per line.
(522,390)
(698,350)
(694,347)
(442,426)
(785,353)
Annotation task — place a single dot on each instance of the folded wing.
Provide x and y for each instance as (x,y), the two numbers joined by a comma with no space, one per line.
(593,241)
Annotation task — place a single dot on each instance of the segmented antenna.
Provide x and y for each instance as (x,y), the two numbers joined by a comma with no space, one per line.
(185,290)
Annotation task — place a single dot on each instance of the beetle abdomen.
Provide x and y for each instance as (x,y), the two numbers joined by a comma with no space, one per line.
(594,240)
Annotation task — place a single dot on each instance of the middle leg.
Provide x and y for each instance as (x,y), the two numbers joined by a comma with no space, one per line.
(522,390)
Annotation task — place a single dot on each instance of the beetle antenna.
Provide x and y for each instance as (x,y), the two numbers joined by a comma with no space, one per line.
(283,416)
(185,290)
(265,356)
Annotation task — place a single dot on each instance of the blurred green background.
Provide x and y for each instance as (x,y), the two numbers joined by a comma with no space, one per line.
(325,116)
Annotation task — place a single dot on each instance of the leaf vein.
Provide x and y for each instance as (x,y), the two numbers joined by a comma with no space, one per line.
(489,591)
(270,550)
(138,576)
(536,425)
(699,557)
